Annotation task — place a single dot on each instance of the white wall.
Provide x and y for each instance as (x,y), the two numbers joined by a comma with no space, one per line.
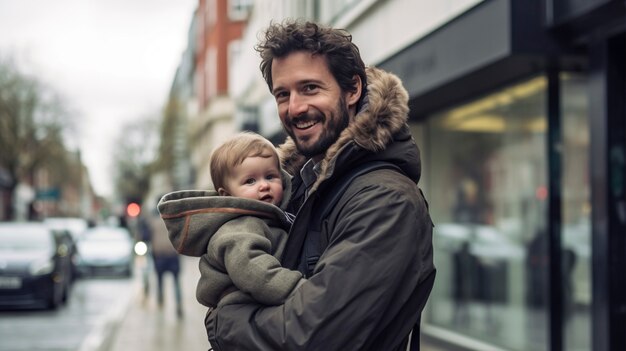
(382,28)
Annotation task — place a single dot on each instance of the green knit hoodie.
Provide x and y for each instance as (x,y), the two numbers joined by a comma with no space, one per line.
(238,241)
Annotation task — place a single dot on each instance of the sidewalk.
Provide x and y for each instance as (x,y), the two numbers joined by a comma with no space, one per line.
(146,327)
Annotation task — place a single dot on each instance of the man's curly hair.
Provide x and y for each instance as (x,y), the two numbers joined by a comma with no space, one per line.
(342,55)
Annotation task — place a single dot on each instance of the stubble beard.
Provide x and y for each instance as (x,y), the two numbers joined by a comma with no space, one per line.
(330,132)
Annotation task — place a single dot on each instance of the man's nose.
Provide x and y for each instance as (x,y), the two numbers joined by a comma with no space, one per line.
(297,105)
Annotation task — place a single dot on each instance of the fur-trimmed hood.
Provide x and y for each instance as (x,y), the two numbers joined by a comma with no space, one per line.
(381,122)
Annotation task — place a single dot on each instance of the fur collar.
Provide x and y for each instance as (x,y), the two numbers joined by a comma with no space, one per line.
(372,129)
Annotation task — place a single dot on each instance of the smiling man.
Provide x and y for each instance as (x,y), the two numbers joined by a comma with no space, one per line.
(368,263)
(311,104)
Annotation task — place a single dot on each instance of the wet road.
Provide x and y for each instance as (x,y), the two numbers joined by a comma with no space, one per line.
(92,309)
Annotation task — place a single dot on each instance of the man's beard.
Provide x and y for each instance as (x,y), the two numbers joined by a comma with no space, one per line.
(330,131)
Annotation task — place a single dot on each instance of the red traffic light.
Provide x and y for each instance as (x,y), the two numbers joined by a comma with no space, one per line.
(133,209)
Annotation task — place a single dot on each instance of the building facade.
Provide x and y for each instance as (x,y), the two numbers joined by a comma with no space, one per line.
(219,26)
(518,108)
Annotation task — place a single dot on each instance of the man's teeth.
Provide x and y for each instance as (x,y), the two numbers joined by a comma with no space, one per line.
(305,125)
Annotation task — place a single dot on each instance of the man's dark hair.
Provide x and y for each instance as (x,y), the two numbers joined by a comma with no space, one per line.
(342,55)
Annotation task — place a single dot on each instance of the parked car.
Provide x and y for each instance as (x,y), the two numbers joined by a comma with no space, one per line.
(105,250)
(35,266)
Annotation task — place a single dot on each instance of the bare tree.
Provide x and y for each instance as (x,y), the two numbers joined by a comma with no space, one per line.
(134,157)
(32,119)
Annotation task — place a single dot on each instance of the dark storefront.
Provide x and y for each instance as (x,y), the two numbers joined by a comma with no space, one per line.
(519,107)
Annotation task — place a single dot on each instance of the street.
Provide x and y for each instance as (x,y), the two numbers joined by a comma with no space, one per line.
(92,309)
(112,314)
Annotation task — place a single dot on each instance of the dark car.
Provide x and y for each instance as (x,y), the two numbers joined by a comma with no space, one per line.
(105,250)
(35,266)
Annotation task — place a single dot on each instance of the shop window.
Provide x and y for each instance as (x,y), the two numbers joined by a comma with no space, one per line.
(576,209)
(486,168)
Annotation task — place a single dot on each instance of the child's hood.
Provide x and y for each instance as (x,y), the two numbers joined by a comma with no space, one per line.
(193,216)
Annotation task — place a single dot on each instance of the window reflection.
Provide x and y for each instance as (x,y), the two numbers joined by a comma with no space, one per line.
(487,184)
(576,209)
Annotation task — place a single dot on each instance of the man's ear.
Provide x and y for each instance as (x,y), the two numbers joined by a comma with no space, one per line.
(222,192)
(352,97)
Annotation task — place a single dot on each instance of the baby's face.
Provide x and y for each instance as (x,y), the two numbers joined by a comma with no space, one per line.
(256,178)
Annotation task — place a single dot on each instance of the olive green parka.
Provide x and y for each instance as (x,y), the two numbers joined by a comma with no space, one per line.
(376,269)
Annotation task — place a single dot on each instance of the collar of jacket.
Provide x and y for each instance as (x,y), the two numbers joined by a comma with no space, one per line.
(373,128)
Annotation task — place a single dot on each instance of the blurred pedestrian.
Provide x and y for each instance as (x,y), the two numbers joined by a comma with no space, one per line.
(367,284)
(165,258)
(144,236)
(239,229)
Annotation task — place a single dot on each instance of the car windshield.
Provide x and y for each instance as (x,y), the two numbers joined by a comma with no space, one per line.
(76,226)
(106,235)
(16,238)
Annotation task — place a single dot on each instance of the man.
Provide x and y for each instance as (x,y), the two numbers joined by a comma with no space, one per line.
(375,271)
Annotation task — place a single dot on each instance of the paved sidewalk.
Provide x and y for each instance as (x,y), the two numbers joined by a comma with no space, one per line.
(146,326)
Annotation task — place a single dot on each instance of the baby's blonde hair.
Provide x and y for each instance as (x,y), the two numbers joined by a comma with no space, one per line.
(234,151)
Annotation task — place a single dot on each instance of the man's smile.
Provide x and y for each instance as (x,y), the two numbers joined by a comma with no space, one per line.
(304,124)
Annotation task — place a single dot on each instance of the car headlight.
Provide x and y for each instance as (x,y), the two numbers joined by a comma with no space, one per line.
(42,267)
(141,248)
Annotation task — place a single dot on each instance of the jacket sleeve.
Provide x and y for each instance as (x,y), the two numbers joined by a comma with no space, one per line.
(247,258)
(371,265)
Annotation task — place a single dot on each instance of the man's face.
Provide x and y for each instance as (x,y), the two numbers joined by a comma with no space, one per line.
(311,105)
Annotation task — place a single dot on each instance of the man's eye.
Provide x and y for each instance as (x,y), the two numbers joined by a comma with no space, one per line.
(281,95)
(309,88)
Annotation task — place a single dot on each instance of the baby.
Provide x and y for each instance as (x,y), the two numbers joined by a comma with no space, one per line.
(238,230)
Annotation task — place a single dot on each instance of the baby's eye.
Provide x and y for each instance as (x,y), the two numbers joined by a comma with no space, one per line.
(249,181)
(271,176)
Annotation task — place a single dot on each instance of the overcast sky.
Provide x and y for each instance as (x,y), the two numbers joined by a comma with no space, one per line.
(111,60)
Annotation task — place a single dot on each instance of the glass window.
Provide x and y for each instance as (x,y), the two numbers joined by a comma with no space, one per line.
(239,9)
(211,10)
(485,179)
(487,187)
(210,70)
(576,209)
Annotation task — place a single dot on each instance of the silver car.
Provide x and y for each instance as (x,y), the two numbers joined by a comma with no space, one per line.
(106,251)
